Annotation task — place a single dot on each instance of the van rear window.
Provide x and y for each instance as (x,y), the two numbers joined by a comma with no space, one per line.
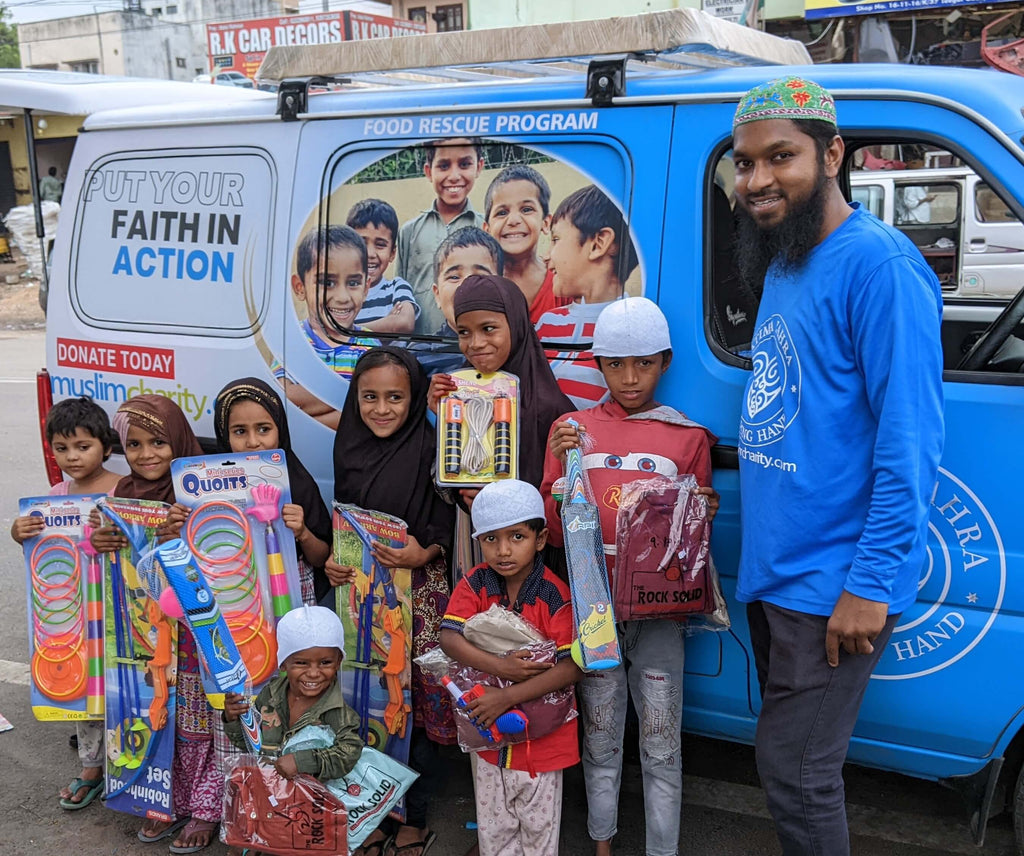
(174,242)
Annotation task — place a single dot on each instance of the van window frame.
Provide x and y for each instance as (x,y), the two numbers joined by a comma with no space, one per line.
(858,139)
(540,143)
(262,301)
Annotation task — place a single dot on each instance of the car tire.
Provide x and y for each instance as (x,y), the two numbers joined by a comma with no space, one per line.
(1018,812)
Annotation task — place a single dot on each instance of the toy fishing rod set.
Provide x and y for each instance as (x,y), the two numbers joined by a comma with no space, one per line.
(245,552)
(65,610)
(478,430)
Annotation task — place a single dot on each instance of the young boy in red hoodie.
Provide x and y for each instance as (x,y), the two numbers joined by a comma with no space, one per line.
(628,438)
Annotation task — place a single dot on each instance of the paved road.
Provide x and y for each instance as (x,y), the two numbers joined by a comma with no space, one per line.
(723,812)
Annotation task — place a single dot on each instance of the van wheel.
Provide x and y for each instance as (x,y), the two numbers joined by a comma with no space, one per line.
(1018,812)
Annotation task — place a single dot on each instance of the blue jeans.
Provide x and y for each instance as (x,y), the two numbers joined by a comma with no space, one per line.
(652,673)
(807,717)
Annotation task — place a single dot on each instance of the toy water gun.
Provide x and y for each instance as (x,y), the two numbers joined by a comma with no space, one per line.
(510,722)
(192,601)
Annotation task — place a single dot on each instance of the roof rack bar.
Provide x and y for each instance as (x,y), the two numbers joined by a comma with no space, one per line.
(653,33)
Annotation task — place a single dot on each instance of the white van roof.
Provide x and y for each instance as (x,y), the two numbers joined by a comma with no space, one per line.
(74,94)
(673,38)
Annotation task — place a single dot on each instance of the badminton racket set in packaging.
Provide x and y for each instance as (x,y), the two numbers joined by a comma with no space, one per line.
(64,582)
(239,542)
(478,430)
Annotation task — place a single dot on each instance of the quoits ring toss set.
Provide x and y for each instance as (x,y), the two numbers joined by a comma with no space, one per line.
(236,537)
(101,646)
(65,611)
(478,430)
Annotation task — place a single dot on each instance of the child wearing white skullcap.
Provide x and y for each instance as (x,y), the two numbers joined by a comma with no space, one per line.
(310,648)
(505,503)
(629,438)
(508,522)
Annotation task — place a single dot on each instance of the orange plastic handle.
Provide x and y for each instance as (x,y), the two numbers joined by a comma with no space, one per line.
(397,711)
(503,409)
(157,666)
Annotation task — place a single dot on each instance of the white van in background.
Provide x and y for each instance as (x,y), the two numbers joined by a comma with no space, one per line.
(974,243)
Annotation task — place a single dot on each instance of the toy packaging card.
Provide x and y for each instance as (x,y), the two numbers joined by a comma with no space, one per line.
(376,612)
(141,665)
(65,610)
(246,553)
(478,430)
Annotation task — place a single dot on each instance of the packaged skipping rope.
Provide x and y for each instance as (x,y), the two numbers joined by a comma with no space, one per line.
(478,430)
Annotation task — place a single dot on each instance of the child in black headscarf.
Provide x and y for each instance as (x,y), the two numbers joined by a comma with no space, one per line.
(384,455)
(492,321)
(248,417)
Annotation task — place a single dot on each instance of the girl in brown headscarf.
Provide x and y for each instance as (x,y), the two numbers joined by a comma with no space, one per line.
(153,432)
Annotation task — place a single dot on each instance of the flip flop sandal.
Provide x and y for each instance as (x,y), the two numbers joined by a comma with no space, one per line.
(95,787)
(165,833)
(375,848)
(425,844)
(194,826)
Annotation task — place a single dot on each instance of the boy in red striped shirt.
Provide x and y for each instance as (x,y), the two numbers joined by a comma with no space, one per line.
(518,788)
(591,257)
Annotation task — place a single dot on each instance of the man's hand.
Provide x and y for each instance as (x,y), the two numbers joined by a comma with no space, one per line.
(855,623)
(519,666)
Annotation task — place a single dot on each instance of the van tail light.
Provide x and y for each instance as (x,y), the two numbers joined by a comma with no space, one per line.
(44,401)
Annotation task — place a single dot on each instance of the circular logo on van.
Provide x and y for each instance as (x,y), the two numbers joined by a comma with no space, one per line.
(772,399)
(961,588)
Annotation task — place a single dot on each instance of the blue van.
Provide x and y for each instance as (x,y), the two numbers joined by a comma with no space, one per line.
(178,244)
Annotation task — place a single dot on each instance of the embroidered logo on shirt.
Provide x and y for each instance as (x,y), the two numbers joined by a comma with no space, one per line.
(772,399)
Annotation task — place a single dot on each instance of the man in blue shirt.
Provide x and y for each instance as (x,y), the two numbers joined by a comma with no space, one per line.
(840,436)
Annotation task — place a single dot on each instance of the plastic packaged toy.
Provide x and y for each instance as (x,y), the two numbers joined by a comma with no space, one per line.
(243,548)
(376,612)
(64,582)
(478,430)
(372,789)
(140,667)
(265,812)
(663,563)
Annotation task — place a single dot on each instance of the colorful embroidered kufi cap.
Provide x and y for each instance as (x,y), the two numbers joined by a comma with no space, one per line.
(786,98)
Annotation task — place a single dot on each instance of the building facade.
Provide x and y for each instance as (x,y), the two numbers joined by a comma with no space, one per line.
(443,16)
(119,43)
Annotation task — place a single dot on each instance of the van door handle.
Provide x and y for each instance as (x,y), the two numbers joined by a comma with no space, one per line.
(977,245)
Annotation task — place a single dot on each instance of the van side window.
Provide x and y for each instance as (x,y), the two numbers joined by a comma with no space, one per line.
(989,208)
(432,214)
(872,197)
(175,241)
(963,227)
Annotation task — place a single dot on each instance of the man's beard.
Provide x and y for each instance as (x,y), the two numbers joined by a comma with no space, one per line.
(789,243)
